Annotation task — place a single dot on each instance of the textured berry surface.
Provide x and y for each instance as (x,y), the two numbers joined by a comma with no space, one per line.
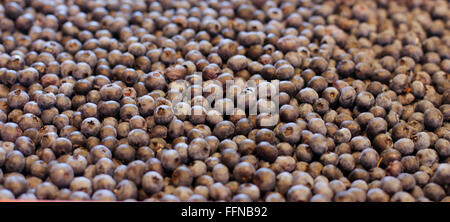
(214,100)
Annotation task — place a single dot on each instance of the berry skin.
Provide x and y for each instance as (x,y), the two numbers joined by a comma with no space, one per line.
(376,126)
(139,107)
(61,174)
(433,118)
(299,193)
(152,182)
(347,96)
(318,143)
(265,179)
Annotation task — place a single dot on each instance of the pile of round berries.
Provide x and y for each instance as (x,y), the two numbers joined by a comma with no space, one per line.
(90,103)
